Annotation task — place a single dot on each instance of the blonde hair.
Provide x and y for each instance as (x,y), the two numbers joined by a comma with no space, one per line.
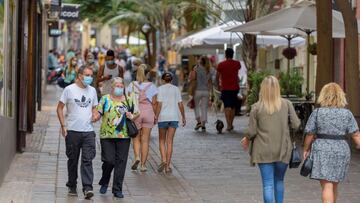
(116,80)
(331,95)
(140,73)
(269,97)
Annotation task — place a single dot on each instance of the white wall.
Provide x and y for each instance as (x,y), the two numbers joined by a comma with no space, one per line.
(103,36)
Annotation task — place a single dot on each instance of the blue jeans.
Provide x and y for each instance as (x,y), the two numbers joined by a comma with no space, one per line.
(272,175)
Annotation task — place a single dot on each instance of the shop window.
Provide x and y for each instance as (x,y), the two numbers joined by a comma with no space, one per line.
(2,69)
(7,57)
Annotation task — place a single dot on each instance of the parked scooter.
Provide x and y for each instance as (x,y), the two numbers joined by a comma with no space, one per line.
(54,74)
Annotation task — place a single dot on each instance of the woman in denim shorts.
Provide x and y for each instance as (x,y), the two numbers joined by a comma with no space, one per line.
(169,103)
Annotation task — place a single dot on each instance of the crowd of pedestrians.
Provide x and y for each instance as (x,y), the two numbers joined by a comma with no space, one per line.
(105,96)
(115,95)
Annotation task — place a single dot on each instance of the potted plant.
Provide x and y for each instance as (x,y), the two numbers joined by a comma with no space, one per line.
(309,96)
(289,53)
(312,49)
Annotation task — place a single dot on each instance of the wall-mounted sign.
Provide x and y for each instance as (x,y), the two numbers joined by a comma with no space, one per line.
(70,11)
(54,30)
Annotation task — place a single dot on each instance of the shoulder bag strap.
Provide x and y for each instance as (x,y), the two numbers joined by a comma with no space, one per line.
(289,123)
(316,120)
(130,108)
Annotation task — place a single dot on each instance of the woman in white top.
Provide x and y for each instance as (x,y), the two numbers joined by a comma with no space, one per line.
(167,114)
(145,97)
(109,70)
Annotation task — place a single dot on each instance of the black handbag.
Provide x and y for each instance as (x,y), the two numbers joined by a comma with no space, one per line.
(295,159)
(306,168)
(131,127)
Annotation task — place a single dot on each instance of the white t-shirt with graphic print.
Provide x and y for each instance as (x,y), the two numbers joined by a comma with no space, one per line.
(79,103)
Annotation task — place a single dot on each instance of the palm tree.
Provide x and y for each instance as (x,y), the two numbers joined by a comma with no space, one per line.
(160,15)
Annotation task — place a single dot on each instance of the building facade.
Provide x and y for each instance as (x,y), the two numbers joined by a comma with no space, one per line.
(23,34)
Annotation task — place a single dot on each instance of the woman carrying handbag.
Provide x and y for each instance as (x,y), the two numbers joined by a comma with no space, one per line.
(269,133)
(118,112)
(326,140)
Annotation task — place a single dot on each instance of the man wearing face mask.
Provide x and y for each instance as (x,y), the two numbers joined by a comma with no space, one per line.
(109,70)
(81,101)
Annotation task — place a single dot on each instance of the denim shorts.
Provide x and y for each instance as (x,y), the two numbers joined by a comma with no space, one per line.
(168,124)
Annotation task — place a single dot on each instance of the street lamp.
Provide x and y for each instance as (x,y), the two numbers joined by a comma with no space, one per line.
(146,28)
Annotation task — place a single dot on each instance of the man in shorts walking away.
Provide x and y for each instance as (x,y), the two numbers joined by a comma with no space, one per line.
(227,77)
(80,100)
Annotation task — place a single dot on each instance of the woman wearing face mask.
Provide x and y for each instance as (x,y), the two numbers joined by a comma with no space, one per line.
(115,142)
(69,74)
(109,70)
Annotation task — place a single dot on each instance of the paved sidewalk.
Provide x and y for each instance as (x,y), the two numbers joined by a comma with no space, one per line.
(207,167)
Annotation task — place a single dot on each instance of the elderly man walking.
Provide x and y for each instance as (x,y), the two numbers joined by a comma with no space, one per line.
(80,100)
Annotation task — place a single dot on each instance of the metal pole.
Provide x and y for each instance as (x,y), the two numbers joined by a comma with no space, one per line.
(288,60)
(307,62)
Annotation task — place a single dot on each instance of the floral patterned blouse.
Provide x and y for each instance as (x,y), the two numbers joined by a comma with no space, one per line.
(113,124)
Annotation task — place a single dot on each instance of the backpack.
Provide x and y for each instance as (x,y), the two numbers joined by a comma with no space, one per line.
(142,93)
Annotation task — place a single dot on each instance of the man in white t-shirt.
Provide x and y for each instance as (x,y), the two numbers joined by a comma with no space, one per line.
(80,100)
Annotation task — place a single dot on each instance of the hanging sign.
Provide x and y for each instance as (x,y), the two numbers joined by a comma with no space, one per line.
(70,12)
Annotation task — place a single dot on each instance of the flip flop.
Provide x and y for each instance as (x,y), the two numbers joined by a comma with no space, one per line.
(161,167)
(168,171)
(135,165)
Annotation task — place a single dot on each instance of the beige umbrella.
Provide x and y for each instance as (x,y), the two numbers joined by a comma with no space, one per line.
(298,19)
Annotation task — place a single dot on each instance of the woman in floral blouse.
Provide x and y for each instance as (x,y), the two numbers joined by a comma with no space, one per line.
(115,142)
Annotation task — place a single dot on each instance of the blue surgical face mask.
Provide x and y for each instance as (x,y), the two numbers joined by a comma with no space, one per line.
(87,80)
(91,60)
(118,91)
(110,62)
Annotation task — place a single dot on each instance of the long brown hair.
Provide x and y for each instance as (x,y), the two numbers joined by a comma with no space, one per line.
(205,62)
(70,66)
